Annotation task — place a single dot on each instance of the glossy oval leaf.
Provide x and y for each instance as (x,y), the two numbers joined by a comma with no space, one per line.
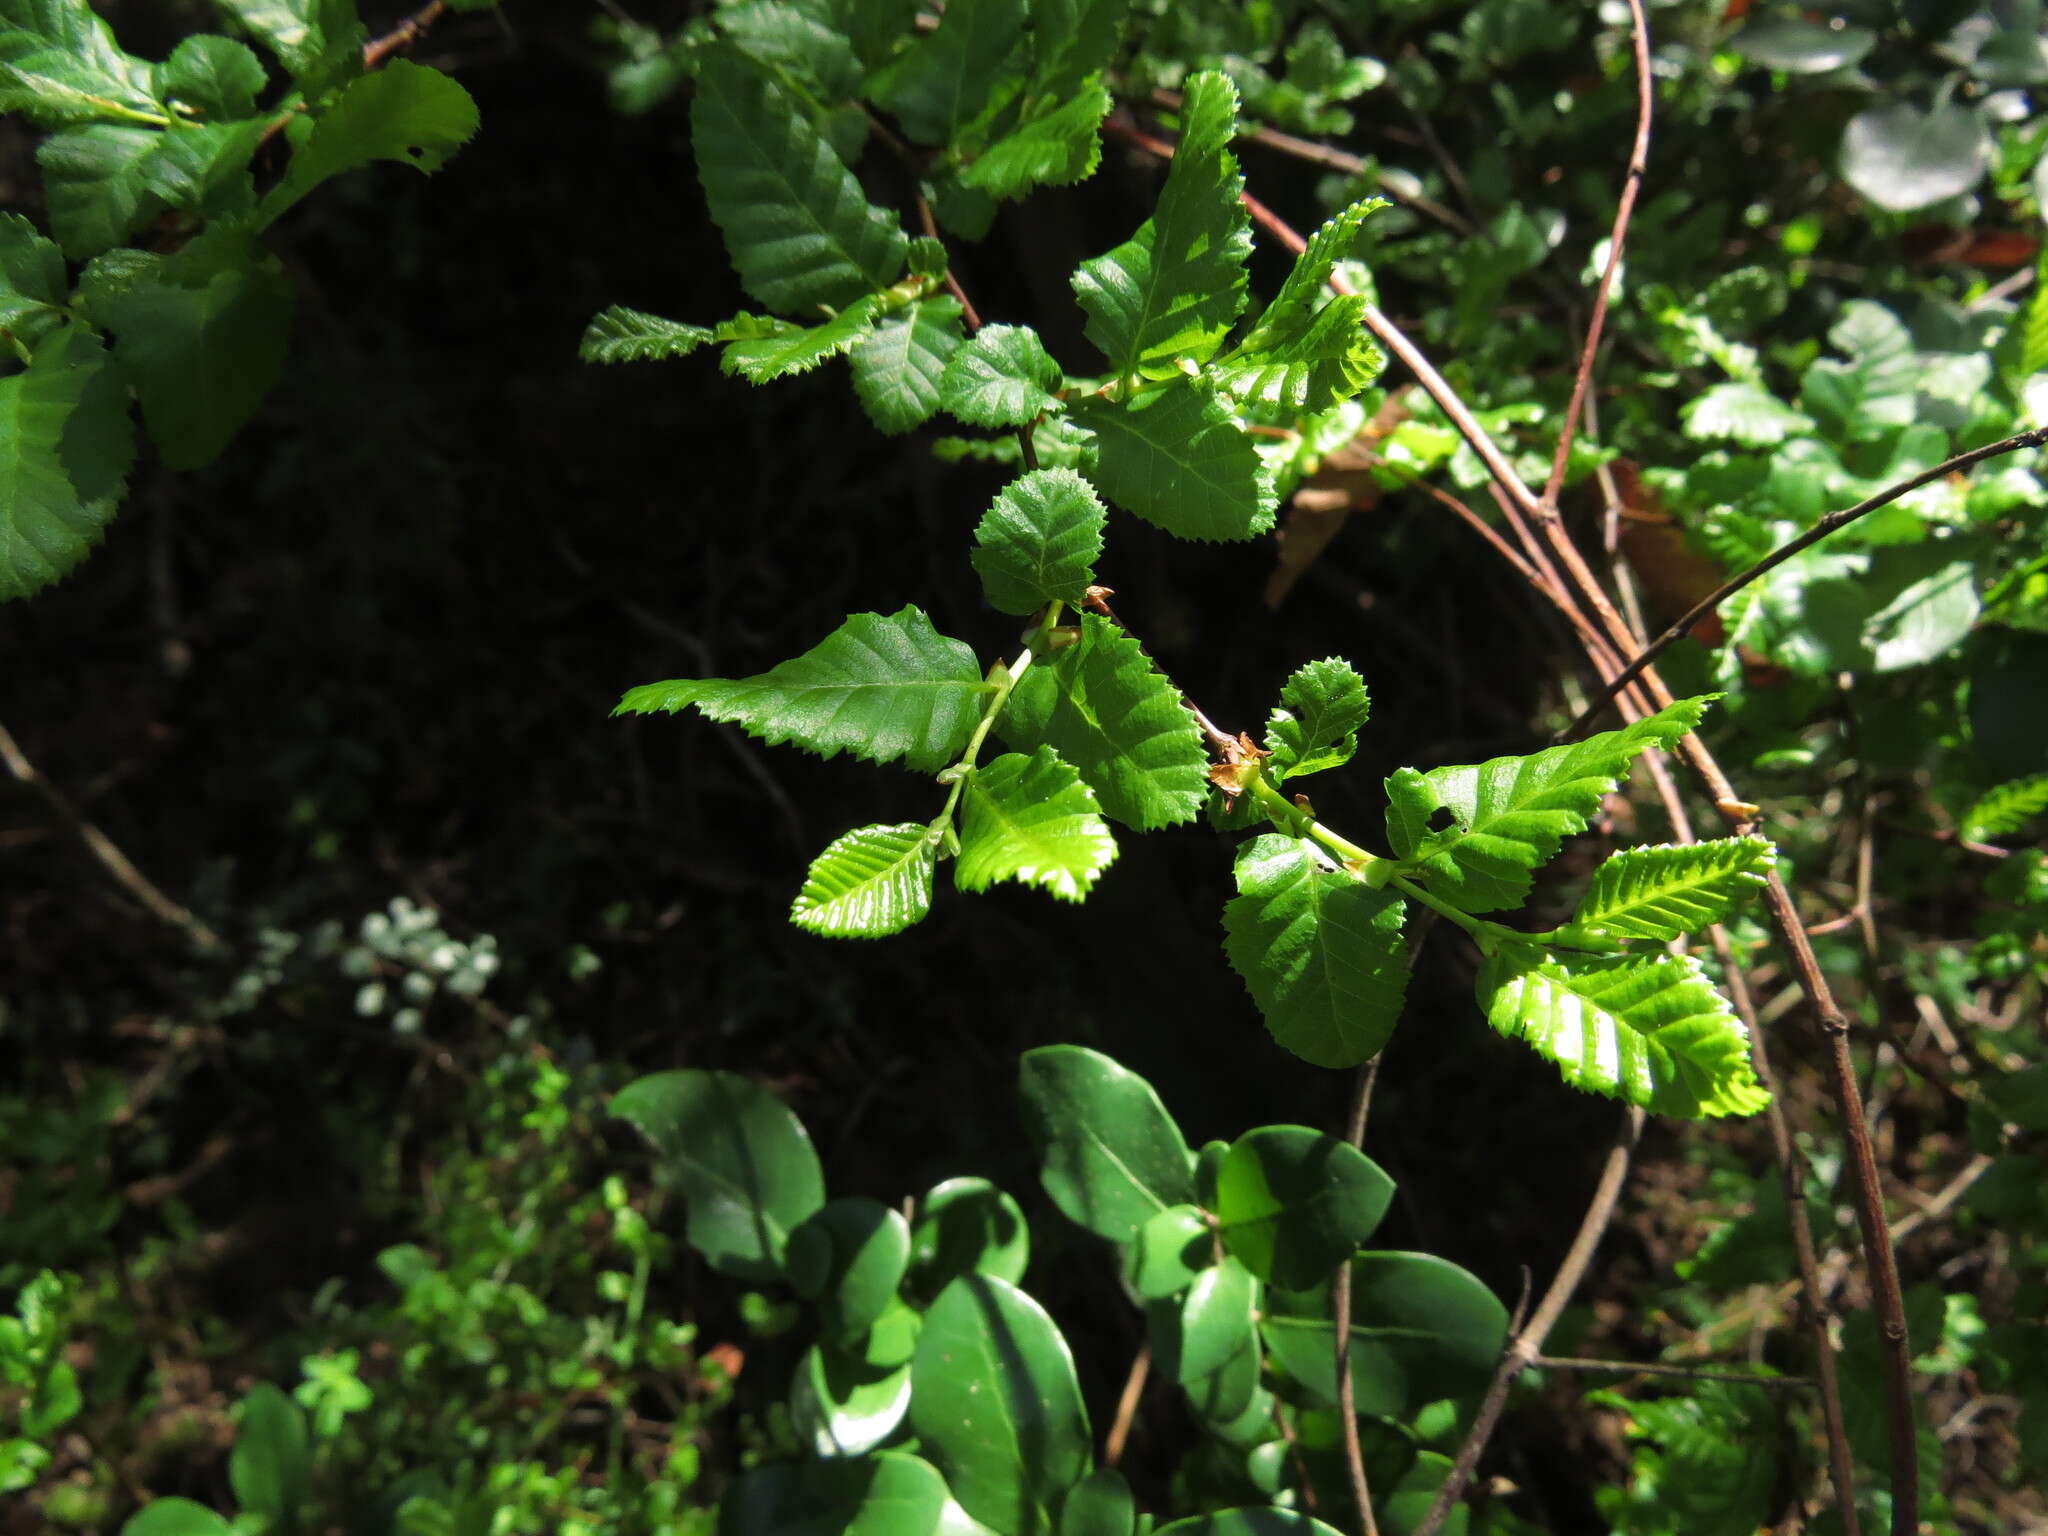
(966,1226)
(892,1339)
(843,1406)
(176,1517)
(1112,1156)
(849,1257)
(1802,47)
(272,1459)
(885,1494)
(1099,1505)
(1901,157)
(997,1407)
(1262,1520)
(1422,1329)
(1218,1321)
(1168,1252)
(742,1160)
(1293,1203)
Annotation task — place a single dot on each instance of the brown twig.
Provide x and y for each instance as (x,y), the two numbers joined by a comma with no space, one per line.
(1340,1314)
(1659,1368)
(1647,656)
(105,850)
(1127,1406)
(404,35)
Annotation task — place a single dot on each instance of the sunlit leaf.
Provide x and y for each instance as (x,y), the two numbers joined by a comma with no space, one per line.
(1664,891)
(1002,377)
(1178,459)
(871,882)
(1316,723)
(1032,820)
(1112,1156)
(898,365)
(1039,541)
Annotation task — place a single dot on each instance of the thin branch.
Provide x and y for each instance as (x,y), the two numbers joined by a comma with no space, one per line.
(1527,1346)
(1659,1368)
(404,35)
(1127,1406)
(1340,1312)
(104,849)
(1624,209)
(1777,557)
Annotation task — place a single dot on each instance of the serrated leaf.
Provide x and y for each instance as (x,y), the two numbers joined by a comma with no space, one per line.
(202,348)
(1002,377)
(1718,1471)
(1056,144)
(405,112)
(1748,413)
(1073,39)
(1099,704)
(1647,1029)
(59,63)
(1511,814)
(1176,458)
(621,335)
(1172,290)
(2006,809)
(1039,541)
(1875,391)
(33,287)
(66,442)
(204,167)
(766,350)
(1032,820)
(1321,952)
(96,184)
(1665,891)
(215,75)
(872,882)
(2034,339)
(897,367)
(880,688)
(1304,372)
(799,230)
(320,42)
(956,73)
(791,38)
(1316,723)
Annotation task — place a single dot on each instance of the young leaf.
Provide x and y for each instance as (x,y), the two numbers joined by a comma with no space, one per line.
(1321,952)
(1039,541)
(1301,296)
(880,688)
(320,42)
(1072,40)
(1292,1203)
(1057,143)
(204,167)
(872,882)
(1665,891)
(272,1458)
(1329,359)
(1172,290)
(1510,815)
(1717,1472)
(405,112)
(745,1164)
(96,184)
(800,231)
(957,73)
(1032,820)
(1099,705)
(1316,724)
(764,350)
(1113,1157)
(621,335)
(1748,413)
(59,64)
(2006,809)
(1647,1029)
(1002,377)
(202,341)
(897,367)
(66,442)
(1177,459)
(217,76)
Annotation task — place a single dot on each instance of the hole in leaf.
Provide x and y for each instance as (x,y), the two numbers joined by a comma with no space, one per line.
(416,151)
(1441,819)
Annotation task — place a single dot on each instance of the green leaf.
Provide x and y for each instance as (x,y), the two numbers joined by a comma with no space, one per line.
(1073,39)
(204,167)
(33,287)
(1510,815)
(621,335)
(1056,144)
(1666,891)
(66,442)
(872,882)
(1032,820)
(800,231)
(848,1257)
(1207,1344)
(1099,1505)
(958,72)
(1002,377)
(1172,290)
(1875,391)
(1100,706)
(1928,617)
(1316,724)
(844,1406)
(1802,47)
(1308,351)
(1647,1029)
(1168,1252)
(1748,413)
(880,688)
(789,38)
(897,367)
(404,112)
(765,350)
(96,184)
(884,1493)
(1292,1203)
(1112,1156)
(319,42)
(1716,1472)
(2034,338)
(742,1160)
(1321,952)
(1039,542)
(272,1460)
(176,1517)
(995,1404)
(2006,809)
(1178,459)
(966,1226)
(217,76)
(202,342)
(1253,1520)
(1901,157)
(1422,1330)
(59,63)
